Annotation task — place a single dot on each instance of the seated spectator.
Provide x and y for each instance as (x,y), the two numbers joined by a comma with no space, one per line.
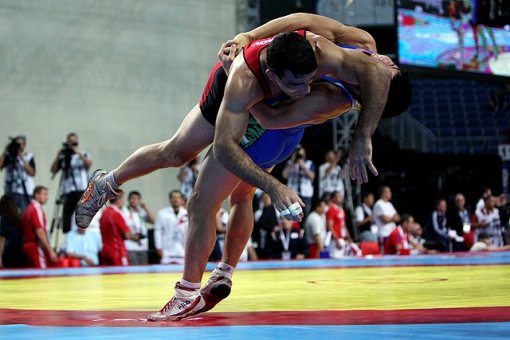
(137,214)
(365,220)
(170,230)
(416,240)
(221,229)
(437,232)
(484,244)
(36,246)
(11,233)
(490,222)
(84,245)
(398,242)
(458,217)
(385,214)
(290,241)
(315,229)
(267,223)
(114,231)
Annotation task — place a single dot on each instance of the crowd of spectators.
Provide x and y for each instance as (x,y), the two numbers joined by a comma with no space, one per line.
(127,232)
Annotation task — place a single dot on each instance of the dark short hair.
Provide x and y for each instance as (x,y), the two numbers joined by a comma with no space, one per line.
(39,188)
(175,191)
(71,134)
(399,96)
(133,193)
(405,218)
(291,51)
(483,235)
(317,203)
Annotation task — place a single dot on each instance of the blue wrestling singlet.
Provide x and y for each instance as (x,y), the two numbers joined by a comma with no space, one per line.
(270,147)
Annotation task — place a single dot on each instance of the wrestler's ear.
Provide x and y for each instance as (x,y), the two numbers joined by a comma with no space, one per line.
(271,74)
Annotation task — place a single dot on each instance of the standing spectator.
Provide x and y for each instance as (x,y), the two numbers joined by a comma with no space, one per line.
(315,228)
(486,192)
(489,221)
(114,231)
(330,178)
(170,230)
(365,219)
(136,215)
(11,233)
(398,242)
(19,171)
(385,214)
(84,245)
(458,217)
(300,173)
(290,242)
(74,164)
(335,217)
(36,246)
(188,175)
(266,224)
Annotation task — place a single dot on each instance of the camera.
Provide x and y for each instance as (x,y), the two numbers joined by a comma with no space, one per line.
(13,147)
(67,149)
(11,152)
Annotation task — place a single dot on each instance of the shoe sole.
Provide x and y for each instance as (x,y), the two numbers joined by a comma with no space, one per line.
(215,296)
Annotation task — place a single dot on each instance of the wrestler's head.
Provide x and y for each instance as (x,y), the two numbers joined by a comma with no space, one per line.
(399,95)
(291,63)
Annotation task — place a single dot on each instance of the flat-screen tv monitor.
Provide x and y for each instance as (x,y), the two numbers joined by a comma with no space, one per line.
(460,35)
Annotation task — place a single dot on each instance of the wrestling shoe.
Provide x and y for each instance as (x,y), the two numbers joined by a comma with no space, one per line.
(98,192)
(218,287)
(185,302)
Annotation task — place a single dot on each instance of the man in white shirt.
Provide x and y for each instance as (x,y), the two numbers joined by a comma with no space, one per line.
(170,230)
(330,178)
(136,215)
(315,228)
(489,221)
(385,214)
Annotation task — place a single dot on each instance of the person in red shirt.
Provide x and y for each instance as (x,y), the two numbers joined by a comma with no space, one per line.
(336,225)
(36,246)
(398,242)
(114,231)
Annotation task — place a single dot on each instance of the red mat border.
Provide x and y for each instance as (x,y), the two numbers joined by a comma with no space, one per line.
(331,317)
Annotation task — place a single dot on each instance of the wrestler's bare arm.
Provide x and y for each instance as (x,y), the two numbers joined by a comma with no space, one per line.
(373,78)
(325,101)
(324,26)
(240,94)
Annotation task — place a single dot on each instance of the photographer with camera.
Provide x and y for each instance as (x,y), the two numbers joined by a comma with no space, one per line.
(74,164)
(19,169)
(300,173)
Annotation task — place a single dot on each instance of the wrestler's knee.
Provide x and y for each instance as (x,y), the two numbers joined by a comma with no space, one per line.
(172,155)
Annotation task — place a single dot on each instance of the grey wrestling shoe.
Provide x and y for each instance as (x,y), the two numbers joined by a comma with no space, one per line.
(98,192)
(218,287)
(185,302)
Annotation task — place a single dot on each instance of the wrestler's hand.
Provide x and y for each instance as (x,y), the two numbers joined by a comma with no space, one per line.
(227,56)
(288,203)
(360,157)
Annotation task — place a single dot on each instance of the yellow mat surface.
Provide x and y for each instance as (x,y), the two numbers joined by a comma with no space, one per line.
(384,288)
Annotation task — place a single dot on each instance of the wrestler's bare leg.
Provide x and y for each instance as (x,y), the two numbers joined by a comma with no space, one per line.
(213,186)
(193,135)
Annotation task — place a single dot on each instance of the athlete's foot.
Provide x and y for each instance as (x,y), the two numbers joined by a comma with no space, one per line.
(218,287)
(98,192)
(186,302)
